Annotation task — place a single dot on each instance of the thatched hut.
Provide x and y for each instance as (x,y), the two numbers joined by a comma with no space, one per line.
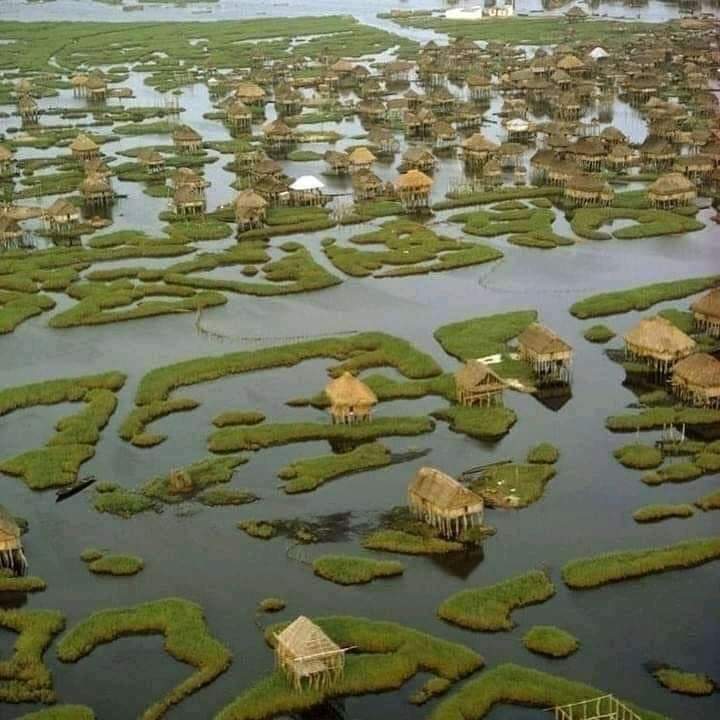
(79,83)
(518,130)
(658,343)
(589,152)
(417,158)
(306,191)
(706,312)
(11,234)
(477,384)
(620,156)
(305,653)
(28,110)
(696,380)
(575,14)
(361,159)
(492,173)
(6,161)
(444,136)
(366,185)
(96,88)
(351,400)
(383,142)
(288,101)
(250,210)
(84,148)
(188,200)
(568,107)
(444,503)
(152,161)
(549,355)
(696,167)
(413,189)
(62,217)
(509,154)
(239,117)
(476,150)
(657,153)
(11,552)
(397,71)
(250,94)
(273,188)
(188,176)
(186,140)
(338,162)
(479,87)
(278,137)
(671,190)
(588,190)
(97,190)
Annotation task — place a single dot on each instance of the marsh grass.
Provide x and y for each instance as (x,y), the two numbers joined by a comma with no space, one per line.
(350,570)
(213,497)
(513,484)
(117,565)
(238,417)
(711,501)
(612,567)
(657,513)
(399,541)
(133,427)
(686,683)
(543,453)
(187,639)
(62,712)
(489,609)
(639,456)
(551,641)
(482,423)
(599,334)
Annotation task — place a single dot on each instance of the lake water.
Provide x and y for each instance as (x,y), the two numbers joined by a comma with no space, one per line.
(587,507)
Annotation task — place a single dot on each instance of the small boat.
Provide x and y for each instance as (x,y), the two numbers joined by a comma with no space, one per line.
(75,488)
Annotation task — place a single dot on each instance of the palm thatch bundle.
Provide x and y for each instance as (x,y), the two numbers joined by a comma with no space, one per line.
(657,342)
(443,502)
(477,384)
(351,400)
(305,653)
(696,379)
(671,190)
(11,552)
(706,312)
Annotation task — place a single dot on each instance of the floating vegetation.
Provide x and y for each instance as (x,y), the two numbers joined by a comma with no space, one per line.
(260,529)
(489,608)
(641,298)
(639,456)
(25,677)
(612,567)
(398,541)
(686,683)
(187,639)
(463,199)
(351,570)
(543,453)
(482,423)
(133,428)
(711,501)
(90,554)
(27,583)
(513,485)
(434,687)
(659,417)
(656,513)
(238,417)
(678,472)
(551,641)
(118,565)
(599,334)
(62,712)
(386,656)
(213,497)
(271,605)
(649,223)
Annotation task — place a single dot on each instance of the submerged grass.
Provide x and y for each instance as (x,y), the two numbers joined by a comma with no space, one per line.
(489,608)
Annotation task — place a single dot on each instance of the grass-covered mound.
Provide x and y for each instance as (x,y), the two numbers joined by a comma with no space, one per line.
(16,308)
(351,570)
(599,334)
(434,687)
(641,298)
(489,608)
(543,453)
(271,605)
(62,712)
(385,656)
(356,352)
(134,427)
(517,685)
(482,423)
(187,639)
(513,485)
(220,496)
(399,541)
(711,501)
(686,683)
(260,529)
(117,565)
(656,513)
(238,417)
(24,676)
(639,456)
(463,199)
(551,641)
(612,567)
(309,473)
(648,223)
(658,417)
(677,472)
(24,584)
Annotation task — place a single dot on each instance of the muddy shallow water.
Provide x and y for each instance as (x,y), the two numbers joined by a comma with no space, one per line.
(587,507)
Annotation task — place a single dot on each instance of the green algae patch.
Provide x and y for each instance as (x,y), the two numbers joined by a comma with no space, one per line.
(613,567)
(123,503)
(685,683)
(384,657)
(238,417)
(599,334)
(639,456)
(133,428)
(117,565)
(24,677)
(399,541)
(513,485)
(641,298)
(232,439)
(91,554)
(550,641)
(309,473)
(482,423)
(187,639)
(62,712)
(489,609)
(517,685)
(657,513)
(544,453)
(352,570)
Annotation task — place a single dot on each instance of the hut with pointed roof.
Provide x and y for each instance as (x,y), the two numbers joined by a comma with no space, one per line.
(79,84)
(278,137)
(28,110)
(351,400)
(444,136)
(696,167)
(696,380)
(273,188)
(308,656)
(657,153)
(360,159)
(366,186)
(620,156)
(62,217)
(384,144)
(413,189)
(589,152)
(444,503)
(188,200)
(575,14)
(239,117)
(492,174)
(12,557)
(11,234)
(152,161)
(186,140)
(6,160)
(477,384)
(584,189)
(96,190)
(288,101)
(706,313)
(250,210)
(671,190)
(476,150)
(338,162)
(96,88)
(548,354)
(249,93)
(417,158)
(479,87)
(84,148)
(658,343)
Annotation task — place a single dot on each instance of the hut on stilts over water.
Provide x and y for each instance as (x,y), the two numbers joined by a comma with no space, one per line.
(549,355)
(658,343)
(413,189)
(477,384)
(706,313)
(351,400)
(11,553)
(444,503)
(696,380)
(305,653)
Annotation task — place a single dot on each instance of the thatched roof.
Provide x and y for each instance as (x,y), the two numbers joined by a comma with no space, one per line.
(590,147)
(417,155)
(586,183)
(95,184)
(492,168)
(184,133)
(238,109)
(303,638)
(187,195)
(708,304)
(542,341)
(474,373)
(699,369)
(442,491)
(660,336)
(249,91)
(277,128)
(671,184)
(348,390)
(366,180)
(9,529)
(5,154)
(148,156)
(61,208)
(477,142)
(187,176)
(413,180)
(361,156)
(83,143)
(249,200)
(570,62)
(342,66)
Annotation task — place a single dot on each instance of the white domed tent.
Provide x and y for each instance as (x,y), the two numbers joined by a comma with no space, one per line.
(307,190)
